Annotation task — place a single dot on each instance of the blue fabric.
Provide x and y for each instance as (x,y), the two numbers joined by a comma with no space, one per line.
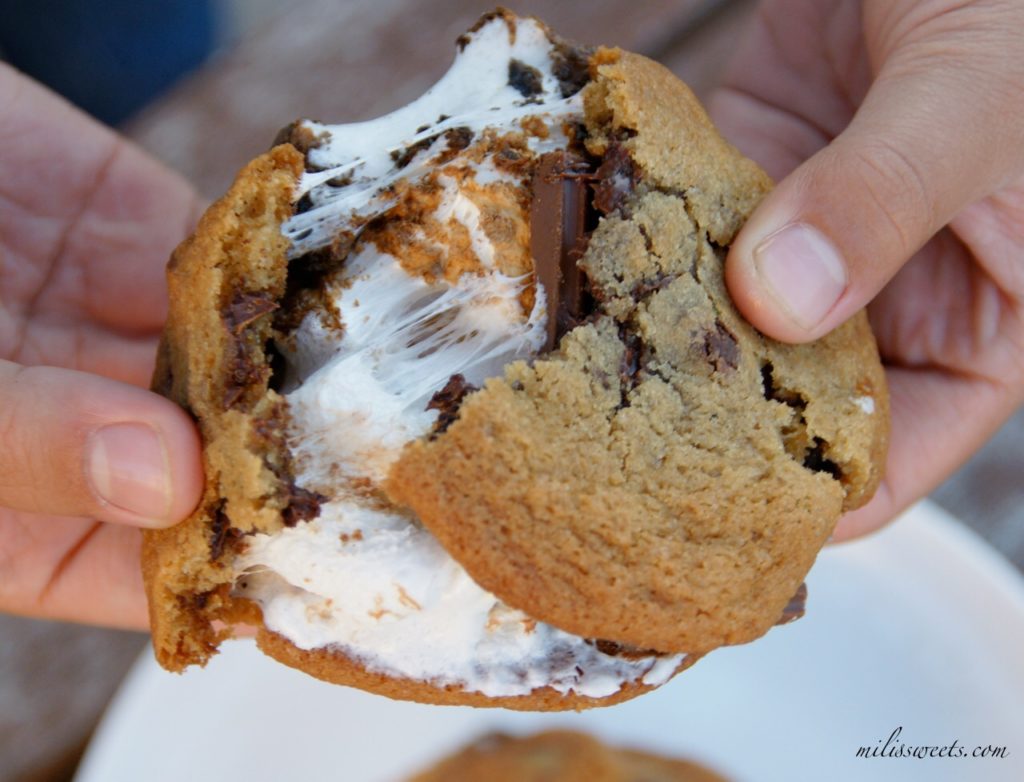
(110,57)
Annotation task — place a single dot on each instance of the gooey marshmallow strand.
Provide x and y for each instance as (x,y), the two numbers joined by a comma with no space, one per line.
(368,581)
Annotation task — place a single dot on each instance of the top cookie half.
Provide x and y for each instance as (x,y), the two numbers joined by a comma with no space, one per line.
(473,394)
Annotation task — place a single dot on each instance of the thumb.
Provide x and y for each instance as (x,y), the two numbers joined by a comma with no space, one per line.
(75,444)
(930,137)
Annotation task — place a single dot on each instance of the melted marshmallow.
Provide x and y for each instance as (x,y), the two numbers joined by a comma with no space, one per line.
(364,578)
(383,591)
(475,93)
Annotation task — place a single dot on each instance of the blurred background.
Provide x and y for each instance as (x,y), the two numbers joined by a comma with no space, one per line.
(204,86)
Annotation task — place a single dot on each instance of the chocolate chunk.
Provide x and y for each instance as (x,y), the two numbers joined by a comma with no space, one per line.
(221,533)
(615,179)
(558,231)
(448,400)
(245,307)
(242,373)
(722,349)
(524,78)
(245,367)
(302,505)
(795,607)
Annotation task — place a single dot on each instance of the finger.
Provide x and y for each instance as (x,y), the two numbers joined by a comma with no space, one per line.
(72,569)
(91,217)
(73,444)
(87,348)
(938,420)
(932,136)
(793,82)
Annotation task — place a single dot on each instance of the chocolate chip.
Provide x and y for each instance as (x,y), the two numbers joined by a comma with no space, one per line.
(614,649)
(615,179)
(245,307)
(458,138)
(722,349)
(447,402)
(244,368)
(631,363)
(524,78)
(222,534)
(302,505)
(795,607)
(645,288)
(242,372)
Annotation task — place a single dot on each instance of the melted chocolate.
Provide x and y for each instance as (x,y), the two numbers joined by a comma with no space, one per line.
(245,307)
(221,533)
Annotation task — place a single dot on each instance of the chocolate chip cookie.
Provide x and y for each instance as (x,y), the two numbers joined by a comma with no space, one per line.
(481,424)
(562,755)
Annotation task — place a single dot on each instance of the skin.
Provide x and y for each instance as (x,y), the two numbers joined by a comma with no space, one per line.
(904,146)
(87,222)
(896,129)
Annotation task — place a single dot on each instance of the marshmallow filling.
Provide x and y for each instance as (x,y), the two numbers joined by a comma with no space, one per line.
(430,248)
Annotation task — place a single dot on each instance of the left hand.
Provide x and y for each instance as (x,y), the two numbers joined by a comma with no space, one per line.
(87,222)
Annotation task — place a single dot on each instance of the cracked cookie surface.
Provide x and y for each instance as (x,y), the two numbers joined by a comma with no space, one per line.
(667,476)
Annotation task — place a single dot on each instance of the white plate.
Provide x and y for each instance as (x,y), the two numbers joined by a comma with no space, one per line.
(919,626)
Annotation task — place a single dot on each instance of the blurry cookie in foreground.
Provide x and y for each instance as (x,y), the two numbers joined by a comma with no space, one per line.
(559,756)
(481,424)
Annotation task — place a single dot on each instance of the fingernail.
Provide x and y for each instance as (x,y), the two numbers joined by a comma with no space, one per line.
(128,467)
(803,272)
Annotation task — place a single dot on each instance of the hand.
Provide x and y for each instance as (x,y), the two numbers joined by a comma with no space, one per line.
(87,222)
(897,130)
